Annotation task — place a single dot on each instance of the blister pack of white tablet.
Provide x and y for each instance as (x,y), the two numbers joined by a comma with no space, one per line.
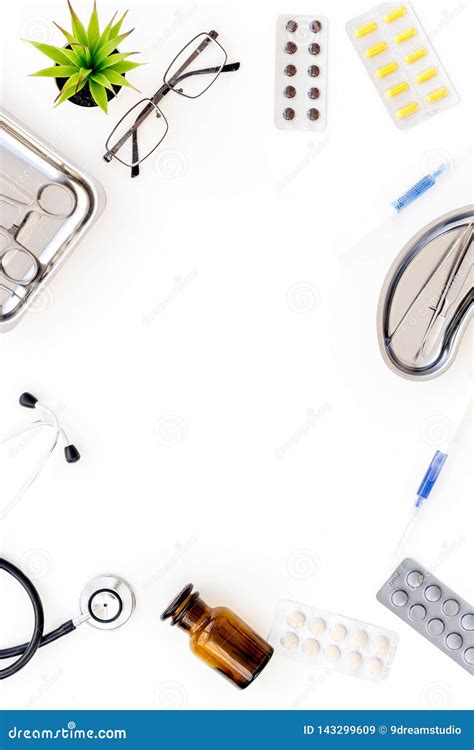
(333,641)
(301,62)
(402,63)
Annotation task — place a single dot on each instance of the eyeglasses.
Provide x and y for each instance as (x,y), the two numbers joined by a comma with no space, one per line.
(190,74)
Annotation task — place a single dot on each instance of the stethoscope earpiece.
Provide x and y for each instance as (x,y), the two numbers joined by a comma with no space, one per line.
(72,454)
(28,400)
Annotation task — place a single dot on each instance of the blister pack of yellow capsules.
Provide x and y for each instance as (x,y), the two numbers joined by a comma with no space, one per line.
(402,63)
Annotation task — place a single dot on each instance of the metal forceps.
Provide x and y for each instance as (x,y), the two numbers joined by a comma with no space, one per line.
(458,272)
(458,249)
(17,263)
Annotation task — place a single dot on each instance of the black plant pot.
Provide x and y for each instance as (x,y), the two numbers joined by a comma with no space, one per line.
(84,97)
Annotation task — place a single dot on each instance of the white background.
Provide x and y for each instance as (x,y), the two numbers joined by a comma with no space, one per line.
(215,303)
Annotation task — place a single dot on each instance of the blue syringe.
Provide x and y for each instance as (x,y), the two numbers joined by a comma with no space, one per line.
(418,189)
(424,490)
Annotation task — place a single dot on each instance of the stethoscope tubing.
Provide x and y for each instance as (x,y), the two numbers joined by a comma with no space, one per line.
(27,650)
(35,641)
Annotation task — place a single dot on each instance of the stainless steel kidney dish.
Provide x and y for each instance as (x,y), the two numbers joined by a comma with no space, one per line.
(47,204)
(427,298)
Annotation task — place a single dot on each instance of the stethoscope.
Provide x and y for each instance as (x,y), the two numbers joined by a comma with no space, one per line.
(48,418)
(107,602)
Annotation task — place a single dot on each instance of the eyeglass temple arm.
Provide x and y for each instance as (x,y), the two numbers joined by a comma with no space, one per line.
(206,71)
(200,48)
(135,169)
(231,67)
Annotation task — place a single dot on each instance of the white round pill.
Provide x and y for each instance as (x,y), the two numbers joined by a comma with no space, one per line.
(375,665)
(311,647)
(382,644)
(332,653)
(317,625)
(338,632)
(289,641)
(353,660)
(296,619)
(361,638)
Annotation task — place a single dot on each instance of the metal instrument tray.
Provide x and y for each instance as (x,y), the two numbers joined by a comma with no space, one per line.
(417,340)
(47,204)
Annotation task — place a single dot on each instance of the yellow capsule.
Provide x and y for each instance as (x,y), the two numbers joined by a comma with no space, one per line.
(410,109)
(396,90)
(416,55)
(426,75)
(364,30)
(437,95)
(376,49)
(387,69)
(394,15)
(406,34)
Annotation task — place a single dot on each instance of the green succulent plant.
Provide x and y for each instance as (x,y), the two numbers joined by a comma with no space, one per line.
(90,58)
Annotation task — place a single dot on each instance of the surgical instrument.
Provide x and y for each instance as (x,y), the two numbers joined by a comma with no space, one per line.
(451,290)
(427,298)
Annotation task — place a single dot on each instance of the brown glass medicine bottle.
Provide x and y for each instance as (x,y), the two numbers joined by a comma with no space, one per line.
(219,637)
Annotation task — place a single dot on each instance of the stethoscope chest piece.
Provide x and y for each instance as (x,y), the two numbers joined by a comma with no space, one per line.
(107,602)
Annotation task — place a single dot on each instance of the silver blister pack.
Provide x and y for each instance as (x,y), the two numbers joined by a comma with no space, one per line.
(433,609)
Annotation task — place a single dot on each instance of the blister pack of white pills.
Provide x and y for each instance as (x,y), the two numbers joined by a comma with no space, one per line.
(301,62)
(402,63)
(332,641)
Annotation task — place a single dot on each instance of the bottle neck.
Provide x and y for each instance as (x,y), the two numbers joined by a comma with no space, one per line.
(193,613)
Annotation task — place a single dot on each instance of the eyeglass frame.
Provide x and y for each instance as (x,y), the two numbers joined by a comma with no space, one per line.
(111,152)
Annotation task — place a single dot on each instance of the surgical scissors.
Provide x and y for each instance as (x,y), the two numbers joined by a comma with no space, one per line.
(17,263)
